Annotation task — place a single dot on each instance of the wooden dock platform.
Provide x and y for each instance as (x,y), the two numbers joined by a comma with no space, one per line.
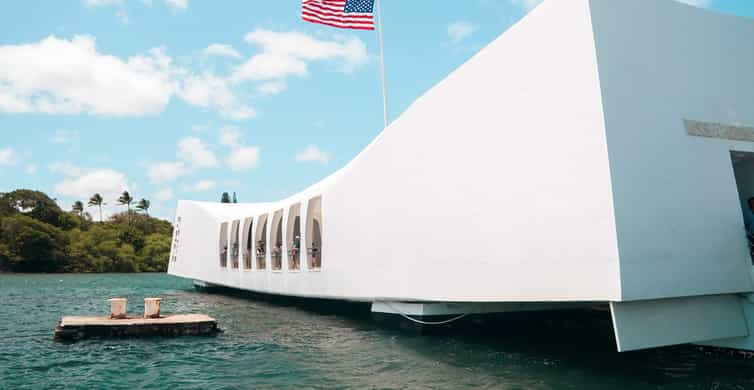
(76,328)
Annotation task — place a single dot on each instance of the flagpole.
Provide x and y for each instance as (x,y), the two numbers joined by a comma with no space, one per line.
(382,63)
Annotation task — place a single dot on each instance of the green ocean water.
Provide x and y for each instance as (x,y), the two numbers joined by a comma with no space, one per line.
(267,345)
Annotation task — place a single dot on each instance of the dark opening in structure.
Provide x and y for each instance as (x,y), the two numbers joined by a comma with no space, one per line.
(223,244)
(248,242)
(293,237)
(314,232)
(261,242)
(276,240)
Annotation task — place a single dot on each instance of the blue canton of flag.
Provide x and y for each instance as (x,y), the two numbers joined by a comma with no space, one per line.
(359,6)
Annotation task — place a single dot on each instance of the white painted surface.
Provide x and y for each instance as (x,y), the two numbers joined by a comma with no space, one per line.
(454,308)
(118,307)
(656,323)
(152,307)
(493,186)
(678,217)
(554,166)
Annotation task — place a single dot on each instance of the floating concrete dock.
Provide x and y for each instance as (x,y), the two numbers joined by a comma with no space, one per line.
(76,328)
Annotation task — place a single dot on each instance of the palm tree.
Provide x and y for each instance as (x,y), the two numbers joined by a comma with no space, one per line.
(126,199)
(143,205)
(78,208)
(96,200)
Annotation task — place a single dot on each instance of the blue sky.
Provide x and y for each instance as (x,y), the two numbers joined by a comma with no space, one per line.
(185,99)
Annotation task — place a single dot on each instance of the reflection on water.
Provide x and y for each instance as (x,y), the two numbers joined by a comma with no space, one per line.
(268,345)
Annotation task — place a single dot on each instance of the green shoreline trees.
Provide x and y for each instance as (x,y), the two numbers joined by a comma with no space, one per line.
(36,235)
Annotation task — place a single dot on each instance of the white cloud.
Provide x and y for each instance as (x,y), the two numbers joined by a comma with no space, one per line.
(177,4)
(203,185)
(230,136)
(166,172)
(30,169)
(286,54)
(164,194)
(193,151)
(313,154)
(271,88)
(210,91)
(243,158)
(109,183)
(267,66)
(70,76)
(8,156)
(217,49)
(460,30)
(81,183)
(59,76)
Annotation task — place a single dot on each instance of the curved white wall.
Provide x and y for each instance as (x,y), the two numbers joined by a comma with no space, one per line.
(493,186)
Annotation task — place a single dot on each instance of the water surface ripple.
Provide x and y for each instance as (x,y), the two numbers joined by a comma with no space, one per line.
(274,346)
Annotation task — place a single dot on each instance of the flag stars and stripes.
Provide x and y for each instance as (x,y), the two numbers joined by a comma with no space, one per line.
(352,14)
(360,6)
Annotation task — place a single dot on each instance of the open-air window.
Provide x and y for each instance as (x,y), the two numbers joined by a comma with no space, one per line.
(261,242)
(234,245)
(247,243)
(276,240)
(314,232)
(224,244)
(293,237)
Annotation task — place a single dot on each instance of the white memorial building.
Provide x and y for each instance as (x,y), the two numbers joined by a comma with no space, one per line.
(597,152)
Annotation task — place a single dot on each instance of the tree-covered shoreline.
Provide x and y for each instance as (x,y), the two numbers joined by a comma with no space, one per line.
(37,236)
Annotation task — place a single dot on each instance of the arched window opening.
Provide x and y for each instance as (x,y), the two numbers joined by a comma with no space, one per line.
(261,240)
(248,242)
(314,233)
(276,240)
(234,245)
(224,244)
(293,237)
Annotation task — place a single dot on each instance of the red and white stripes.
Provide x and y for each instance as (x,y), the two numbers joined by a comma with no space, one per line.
(332,13)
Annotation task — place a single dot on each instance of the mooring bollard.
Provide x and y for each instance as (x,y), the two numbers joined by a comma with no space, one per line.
(118,307)
(152,307)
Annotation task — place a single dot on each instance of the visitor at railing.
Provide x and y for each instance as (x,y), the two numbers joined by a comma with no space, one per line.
(260,249)
(294,252)
(277,254)
(314,254)
(234,254)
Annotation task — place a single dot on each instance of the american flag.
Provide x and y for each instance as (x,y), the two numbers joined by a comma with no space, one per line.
(354,14)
